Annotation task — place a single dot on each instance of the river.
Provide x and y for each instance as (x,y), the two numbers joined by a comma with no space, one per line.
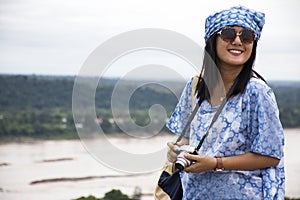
(64,169)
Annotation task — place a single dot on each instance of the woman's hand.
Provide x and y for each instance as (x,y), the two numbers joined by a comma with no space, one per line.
(201,163)
(174,149)
(172,152)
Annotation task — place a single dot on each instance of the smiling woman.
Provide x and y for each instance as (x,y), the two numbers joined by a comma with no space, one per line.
(243,149)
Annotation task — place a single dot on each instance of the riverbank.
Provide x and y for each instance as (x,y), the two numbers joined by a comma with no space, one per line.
(75,137)
(64,169)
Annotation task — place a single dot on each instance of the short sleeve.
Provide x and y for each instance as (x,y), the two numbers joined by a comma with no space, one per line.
(266,130)
(182,111)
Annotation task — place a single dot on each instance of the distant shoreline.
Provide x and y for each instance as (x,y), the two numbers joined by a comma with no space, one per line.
(6,140)
(32,140)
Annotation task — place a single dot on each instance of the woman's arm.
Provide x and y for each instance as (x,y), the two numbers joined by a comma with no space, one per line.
(247,161)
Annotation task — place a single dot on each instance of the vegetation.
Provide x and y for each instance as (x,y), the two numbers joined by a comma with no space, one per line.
(288,95)
(118,195)
(41,106)
(112,195)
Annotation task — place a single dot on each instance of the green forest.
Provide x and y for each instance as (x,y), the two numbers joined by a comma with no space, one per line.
(41,106)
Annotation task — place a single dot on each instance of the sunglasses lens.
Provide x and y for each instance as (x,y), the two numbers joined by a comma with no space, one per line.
(247,36)
(228,34)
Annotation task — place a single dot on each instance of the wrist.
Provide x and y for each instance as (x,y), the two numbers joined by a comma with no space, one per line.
(219,164)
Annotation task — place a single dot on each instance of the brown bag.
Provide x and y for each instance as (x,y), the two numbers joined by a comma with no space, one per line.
(159,193)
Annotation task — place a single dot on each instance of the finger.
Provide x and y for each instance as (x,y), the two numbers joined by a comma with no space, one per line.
(172,153)
(171,159)
(191,168)
(191,156)
(173,147)
(170,145)
(172,156)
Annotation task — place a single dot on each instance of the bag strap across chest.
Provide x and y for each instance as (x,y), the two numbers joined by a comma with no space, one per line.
(193,113)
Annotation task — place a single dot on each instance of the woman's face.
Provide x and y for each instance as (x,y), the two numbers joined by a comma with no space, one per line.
(234,53)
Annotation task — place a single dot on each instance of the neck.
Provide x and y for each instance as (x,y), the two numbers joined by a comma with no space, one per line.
(229,74)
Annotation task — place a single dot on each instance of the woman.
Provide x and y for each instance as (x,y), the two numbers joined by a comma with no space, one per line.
(242,156)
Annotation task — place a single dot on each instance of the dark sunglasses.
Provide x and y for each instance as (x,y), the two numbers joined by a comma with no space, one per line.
(228,34)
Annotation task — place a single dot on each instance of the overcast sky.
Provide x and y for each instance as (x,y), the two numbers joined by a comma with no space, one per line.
(55,37)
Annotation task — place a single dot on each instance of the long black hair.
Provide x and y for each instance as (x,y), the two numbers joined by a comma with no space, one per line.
(209,71)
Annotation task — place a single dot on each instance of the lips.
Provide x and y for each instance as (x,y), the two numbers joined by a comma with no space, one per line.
(236,51)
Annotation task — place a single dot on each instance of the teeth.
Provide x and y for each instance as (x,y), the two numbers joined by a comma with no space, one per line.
(235,51)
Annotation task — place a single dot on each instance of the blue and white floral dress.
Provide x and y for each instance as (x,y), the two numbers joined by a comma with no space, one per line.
(249,122)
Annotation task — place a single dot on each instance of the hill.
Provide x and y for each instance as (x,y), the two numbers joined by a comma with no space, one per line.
(41,106)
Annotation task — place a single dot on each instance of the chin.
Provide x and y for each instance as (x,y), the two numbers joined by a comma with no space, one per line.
(236,63)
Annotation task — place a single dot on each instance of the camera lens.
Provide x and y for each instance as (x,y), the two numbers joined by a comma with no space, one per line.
(181,161)
(179,166)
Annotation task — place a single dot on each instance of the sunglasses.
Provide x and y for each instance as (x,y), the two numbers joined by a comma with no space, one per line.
(228,34)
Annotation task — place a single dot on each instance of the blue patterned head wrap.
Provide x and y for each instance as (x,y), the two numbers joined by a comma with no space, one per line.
(235,16)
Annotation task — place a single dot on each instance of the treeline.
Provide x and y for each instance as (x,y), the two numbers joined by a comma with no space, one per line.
(41,106)
(112,195)
(288,96)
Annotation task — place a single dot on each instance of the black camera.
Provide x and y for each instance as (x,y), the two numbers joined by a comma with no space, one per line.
(181,161)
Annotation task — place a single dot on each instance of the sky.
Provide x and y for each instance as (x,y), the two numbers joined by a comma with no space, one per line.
(55,37)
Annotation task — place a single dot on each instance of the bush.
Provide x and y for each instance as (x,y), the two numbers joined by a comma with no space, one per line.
(111,195)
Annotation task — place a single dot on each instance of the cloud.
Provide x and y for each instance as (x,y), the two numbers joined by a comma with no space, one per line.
(53,36)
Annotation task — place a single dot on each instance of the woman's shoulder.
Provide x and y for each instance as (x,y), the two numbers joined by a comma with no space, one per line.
(258,91)
(257,86)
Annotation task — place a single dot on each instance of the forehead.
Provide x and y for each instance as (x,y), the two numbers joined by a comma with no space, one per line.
(237,28)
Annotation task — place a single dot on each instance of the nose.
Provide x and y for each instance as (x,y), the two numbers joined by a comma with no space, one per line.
(237,40)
